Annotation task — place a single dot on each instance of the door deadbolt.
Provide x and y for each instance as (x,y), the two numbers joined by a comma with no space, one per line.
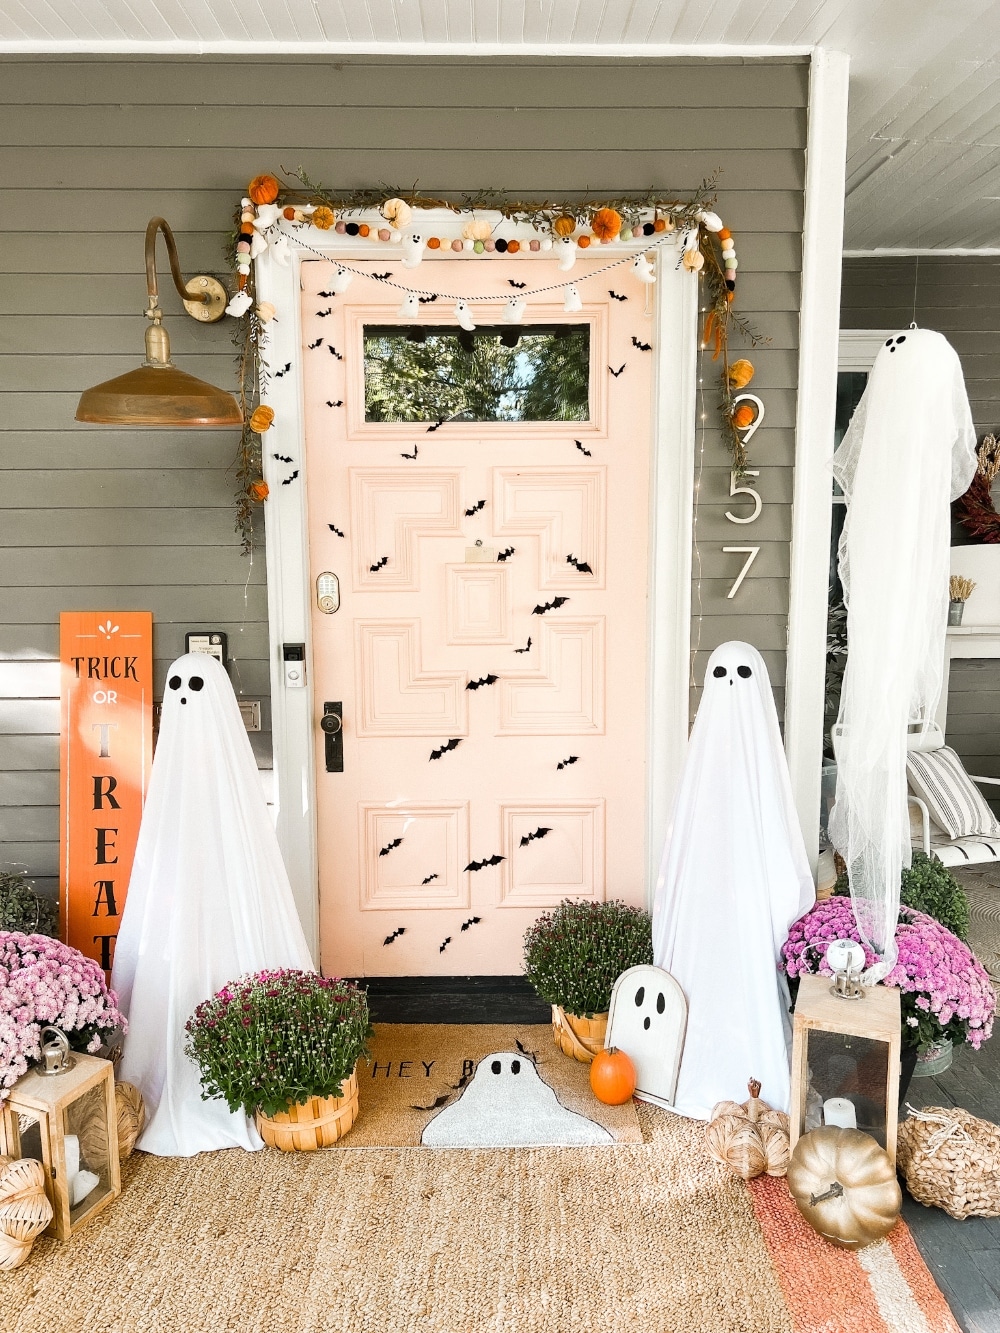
(328,592)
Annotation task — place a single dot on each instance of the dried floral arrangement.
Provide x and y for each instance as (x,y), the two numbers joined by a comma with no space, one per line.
(960,589)
(273,211)
(976,510)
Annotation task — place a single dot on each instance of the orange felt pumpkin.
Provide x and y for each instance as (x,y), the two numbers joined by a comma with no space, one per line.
(740,373)
(743,416)
(263,189)
(612,1076)
(606,224)
(323,218)
(258,491)
(564,226)
(261,418)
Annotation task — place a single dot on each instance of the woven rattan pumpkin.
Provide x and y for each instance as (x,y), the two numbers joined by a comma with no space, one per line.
(131,1117)
(25,1212)
(751,1137)
(951,1160)
(845,1186)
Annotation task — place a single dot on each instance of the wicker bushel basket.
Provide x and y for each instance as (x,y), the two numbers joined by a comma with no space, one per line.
(951,1160)
(316,1123)
(581,1038)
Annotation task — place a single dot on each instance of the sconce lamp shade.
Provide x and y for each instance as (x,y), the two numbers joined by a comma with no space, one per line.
(157,393)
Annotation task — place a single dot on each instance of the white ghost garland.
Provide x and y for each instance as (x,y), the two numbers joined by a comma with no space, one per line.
(208,902)
(571,299)
(508,1105)
(413,249)
(514,310)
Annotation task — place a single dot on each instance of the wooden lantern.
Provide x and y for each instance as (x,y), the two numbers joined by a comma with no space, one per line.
(845,1061)
(69,1122)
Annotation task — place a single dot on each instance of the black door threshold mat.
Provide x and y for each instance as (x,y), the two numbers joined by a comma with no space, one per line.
(453,1000)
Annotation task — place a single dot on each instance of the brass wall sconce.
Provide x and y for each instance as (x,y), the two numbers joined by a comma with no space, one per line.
(157,393)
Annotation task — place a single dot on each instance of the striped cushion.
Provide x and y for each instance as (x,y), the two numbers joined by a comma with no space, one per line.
(954,801)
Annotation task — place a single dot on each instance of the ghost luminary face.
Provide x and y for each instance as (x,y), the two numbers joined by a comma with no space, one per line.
(193,685)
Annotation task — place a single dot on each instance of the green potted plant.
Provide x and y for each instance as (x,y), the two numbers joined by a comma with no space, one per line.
(283,1045)
(24,910)
(928,886)
(573,956)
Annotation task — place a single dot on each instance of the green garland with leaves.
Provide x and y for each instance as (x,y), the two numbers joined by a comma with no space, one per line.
(718,312)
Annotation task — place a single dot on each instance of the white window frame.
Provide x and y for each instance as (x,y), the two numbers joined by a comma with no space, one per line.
(289,586)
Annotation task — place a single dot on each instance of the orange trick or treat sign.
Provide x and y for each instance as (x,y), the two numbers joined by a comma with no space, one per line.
(106,748)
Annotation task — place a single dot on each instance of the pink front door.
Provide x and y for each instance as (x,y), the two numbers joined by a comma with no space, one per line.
(489,651)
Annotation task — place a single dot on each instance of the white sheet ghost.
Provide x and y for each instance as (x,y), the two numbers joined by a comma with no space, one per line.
(208,901)
(734,877)
(646,1020)
(507,1105)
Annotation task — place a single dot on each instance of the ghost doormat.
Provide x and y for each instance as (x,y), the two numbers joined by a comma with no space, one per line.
(479,1086)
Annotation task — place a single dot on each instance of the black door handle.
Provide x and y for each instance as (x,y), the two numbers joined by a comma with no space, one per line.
(332,726)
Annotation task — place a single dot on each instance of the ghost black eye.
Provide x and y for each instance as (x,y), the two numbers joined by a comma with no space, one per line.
(744,671)
(661,1003)
(719,672)
(196,683)
(174,682)
(496,1066)
(640,995)
(888,342)
(515,1066)
(901,339)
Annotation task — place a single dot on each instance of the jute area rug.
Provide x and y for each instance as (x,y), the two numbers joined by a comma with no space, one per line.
(414,1070)
(982,885)
(651,1236)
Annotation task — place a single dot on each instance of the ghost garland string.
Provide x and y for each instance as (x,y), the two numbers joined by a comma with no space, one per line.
(273,211)
(976,511)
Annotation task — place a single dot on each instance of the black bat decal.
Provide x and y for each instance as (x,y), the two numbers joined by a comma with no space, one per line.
(444,944)
(483,680)
(400,930)
(282,458)
(472,921)
(586,452)
(614,296)
(453,744)
(426,300)
(326,293)
(643,347)
(565,763)
(389,846)
(379,564)
(554,605)
(580,565)
(538,833)
(283,371)
(480,504)
(333,528)
(335,402)
(493,860)
(317,343)
(333,352)
(437,425)
(432,1106)
(413,455)
(617,372)
(381,277)
(505,554)
(288,480)
(428,878)
(518,285)
(526,647)
(322,314)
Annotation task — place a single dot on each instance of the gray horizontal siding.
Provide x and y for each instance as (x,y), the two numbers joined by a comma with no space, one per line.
(91,148)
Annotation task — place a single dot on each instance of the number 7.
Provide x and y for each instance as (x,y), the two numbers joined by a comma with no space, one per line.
(752,553)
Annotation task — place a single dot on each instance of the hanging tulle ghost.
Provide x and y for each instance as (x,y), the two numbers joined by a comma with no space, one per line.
(410,308)
(571,299)
(909,451)
(565,249)
(463,314)
(413,249)
(514,310)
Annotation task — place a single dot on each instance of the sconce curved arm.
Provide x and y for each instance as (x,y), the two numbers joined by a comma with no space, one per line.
(203,297)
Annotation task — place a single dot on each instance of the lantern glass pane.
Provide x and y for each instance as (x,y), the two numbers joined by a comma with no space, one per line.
(28,1131)
(87,1120)
(854,1069)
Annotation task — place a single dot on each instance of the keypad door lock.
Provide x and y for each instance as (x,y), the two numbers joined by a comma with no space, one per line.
(332,726)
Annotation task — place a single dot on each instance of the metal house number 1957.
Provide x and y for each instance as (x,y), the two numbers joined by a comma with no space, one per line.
(751,552)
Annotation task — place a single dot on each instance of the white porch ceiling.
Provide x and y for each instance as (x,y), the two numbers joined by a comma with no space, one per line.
(924,144)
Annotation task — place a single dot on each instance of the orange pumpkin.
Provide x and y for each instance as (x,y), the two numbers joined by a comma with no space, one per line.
(323,218)
(740,372)
(564,226)
(606,224)
(612,1076)
(263,189)
(261,418)
(258,491)
(743,416)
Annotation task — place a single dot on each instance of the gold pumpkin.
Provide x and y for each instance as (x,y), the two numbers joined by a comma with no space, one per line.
(845,1186)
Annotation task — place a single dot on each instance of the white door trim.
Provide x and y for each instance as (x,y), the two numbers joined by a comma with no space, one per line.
(819,324)
(675,320)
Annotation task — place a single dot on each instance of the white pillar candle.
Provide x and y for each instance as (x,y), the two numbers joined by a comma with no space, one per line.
(72,1146)
(840,1111)
(80,1185)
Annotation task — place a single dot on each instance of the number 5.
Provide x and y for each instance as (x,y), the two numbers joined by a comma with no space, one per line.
(751,553)
(758,503)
